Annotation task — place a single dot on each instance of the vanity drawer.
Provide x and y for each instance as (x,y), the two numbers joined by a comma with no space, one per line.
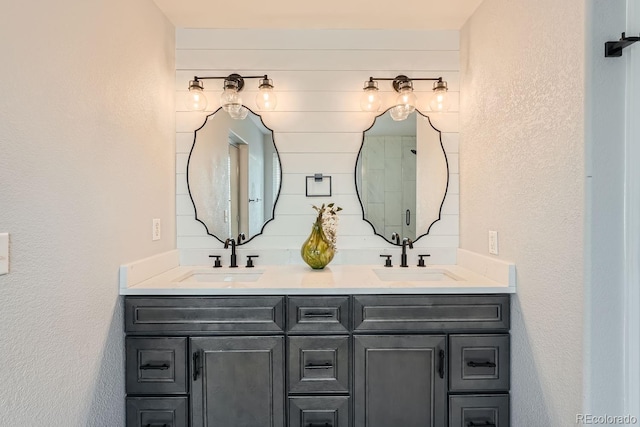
(156,365)
(157,412)
(479,362)
(202,315)
(320,314)
(319,364)
(425,313)
(479,411)
(318,411)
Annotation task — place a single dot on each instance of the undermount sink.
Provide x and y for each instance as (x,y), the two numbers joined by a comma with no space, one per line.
(217,276)
(414,275)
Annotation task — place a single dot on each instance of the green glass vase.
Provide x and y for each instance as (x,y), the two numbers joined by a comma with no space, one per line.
(317,251)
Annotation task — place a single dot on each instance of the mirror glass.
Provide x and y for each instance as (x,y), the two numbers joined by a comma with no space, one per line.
(402,176)
(233,175)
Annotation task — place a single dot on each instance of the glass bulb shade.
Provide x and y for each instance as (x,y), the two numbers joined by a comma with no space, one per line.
(230,99)
(400,112)
(239,113)
(407,99)
(370,99)
(196,100)
(439,100)
(265,99)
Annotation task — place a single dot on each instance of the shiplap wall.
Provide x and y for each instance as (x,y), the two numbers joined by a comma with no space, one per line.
(318,76)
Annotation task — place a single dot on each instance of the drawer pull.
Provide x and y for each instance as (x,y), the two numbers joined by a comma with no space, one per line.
(486,424)
(320,314)
(318,425)
(157,425)
(325,366)
(481,364)
(162,367)
(441,364)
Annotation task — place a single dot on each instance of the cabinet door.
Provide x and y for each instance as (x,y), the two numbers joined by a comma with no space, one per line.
(399,381)
(237,381)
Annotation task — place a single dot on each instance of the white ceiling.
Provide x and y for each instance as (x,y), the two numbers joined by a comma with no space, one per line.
(325,14)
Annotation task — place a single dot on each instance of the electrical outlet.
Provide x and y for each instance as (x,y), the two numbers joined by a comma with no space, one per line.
(157,228)
(4,253)
(493,242)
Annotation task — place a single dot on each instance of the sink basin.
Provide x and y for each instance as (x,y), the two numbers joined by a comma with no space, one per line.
(414,275)
(217,276)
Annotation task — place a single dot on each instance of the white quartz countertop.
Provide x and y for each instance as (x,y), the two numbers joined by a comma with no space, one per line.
(300,280)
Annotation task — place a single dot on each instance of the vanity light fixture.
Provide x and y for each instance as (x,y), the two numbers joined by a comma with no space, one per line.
(406,101)
(230,99)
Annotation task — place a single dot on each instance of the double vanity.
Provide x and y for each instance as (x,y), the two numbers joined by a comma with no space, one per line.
(289,346)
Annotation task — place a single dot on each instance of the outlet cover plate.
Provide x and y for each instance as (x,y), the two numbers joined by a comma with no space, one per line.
(493,242)
(157,229)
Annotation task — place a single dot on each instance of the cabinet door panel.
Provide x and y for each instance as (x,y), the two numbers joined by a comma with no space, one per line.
(399,381)
(240,382)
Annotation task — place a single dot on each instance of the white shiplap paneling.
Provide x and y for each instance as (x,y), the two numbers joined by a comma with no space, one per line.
(317,126)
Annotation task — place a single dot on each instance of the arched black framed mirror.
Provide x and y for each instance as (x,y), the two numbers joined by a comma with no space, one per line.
(402,176)
(234,176)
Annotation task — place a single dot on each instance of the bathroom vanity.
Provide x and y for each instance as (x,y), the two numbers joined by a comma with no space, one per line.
(377,355)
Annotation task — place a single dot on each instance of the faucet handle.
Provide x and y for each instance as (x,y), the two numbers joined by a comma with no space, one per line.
(387,262)
(421,260)
(217,263)
(250,260)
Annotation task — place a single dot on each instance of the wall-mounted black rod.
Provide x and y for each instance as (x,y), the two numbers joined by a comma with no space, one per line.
(614,49)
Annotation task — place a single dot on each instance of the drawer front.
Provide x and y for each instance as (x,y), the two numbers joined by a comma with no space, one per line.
(157,412)
(156,365)
(319,411)
(318,314)
(479,411)
(232,315)
(319,364)
(479,362)
(401,313)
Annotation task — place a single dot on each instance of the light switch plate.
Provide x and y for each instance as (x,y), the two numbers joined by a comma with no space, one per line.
(4,253)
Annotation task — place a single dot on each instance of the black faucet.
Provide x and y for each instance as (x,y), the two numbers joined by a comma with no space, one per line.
(403,258)
(234,258)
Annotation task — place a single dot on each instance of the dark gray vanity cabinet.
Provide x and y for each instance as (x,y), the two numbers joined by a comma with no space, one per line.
(399,380)
(318,361)
(238,381)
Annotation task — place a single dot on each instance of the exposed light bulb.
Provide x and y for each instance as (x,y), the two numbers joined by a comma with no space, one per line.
(399,112)
(196,100)
(439,99)
(370,99)
(239,113)
(230,98)
(266,99)
(407,99)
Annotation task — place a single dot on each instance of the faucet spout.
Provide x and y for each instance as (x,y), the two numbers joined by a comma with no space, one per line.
(234,258)
(403,258)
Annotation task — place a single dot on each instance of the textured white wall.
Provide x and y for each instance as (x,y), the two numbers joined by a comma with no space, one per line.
(318,125)
(86,161)
(522,174)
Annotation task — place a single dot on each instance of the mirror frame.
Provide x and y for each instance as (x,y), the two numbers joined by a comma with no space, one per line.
(446,190)
(275,202)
